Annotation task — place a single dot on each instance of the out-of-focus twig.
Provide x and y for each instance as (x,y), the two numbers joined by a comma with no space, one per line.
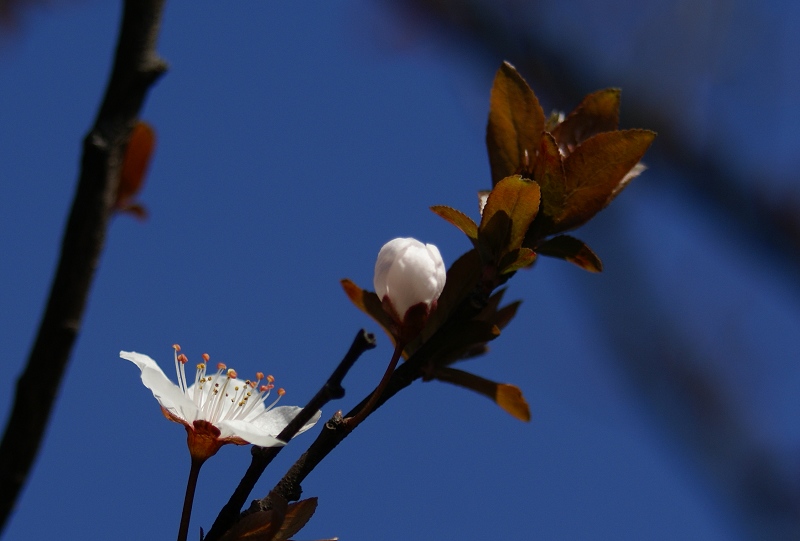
(136,67)
(674,381)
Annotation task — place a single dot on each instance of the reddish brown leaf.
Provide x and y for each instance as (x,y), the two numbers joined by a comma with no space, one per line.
(506,314)
(456,344)
(494,235)
(257,526)
(549,175)
(516,260)
(458,219)
(572,250)
(261,525)
(277,524)
(496,315)
(508,397)
(467,339)
(597,113)
(511,207)
(297,515)
(516,121)
(595,172)
(369,303)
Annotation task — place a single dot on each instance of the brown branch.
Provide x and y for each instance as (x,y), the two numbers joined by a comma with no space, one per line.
(136,68)
(262,456)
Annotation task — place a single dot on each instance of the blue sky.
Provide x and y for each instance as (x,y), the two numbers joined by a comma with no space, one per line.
(294,139)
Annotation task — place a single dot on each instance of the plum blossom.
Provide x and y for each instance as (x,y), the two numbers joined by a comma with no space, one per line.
(218,408)
(409,273)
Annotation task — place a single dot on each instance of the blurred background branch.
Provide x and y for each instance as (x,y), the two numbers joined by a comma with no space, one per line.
(136,68)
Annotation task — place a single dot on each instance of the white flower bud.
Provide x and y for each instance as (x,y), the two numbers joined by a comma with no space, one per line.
(409,272)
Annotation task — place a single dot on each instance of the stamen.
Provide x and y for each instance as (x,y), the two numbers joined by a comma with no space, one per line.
(242,397)
(280,392)
(213,391)
(180,360)
(199,380)
(201,372)
(220,396)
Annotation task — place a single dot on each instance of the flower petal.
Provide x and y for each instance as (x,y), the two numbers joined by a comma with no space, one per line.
(387,256)
(167,393)
(276,419)
(249,432)
(409,272)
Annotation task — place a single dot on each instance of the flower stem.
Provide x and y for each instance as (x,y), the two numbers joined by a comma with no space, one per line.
(356,419)
(191,485)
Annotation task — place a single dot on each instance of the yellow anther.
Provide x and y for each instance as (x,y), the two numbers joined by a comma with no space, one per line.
(201,366)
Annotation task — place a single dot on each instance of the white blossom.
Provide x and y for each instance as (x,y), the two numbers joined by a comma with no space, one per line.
(218,408)
(408,273)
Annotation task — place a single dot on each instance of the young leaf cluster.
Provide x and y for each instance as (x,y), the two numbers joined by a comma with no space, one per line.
(548,175)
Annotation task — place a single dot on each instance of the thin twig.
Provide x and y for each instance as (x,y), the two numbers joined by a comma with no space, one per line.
(136,68)
(262,456)
(337,429)
(356,419)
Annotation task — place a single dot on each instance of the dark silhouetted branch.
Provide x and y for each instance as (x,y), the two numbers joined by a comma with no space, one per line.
(262,456)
